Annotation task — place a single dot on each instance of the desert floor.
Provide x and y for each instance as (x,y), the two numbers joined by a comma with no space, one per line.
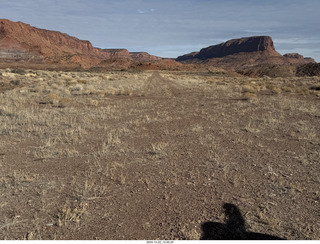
(156,155)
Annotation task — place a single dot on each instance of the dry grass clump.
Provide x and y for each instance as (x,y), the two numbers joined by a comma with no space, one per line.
(293,85)
(125,92)
(16,179)
(105,77)
(274,89)
(100,93)
(249,91)
(51,99)
(158,149)
(71,214)
(55,100)
(8,74)
(93,102)
(302,90)
(287,89)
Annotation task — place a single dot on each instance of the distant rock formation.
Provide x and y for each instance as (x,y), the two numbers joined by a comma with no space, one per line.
(298,58)
(143,56)
(22,42)
(239,53)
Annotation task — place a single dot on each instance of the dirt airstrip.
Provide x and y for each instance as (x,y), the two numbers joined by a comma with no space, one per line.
(158,155)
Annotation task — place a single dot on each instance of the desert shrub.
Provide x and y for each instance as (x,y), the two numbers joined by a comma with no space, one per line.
(249,96)
(316,88)
(15,82)
(55,100)
(250,89)
(110,92)
(70,81)
(125,92)
(82,81)
(76,87)
(19,71)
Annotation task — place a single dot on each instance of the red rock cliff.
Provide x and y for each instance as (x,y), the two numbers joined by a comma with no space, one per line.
(24,36)
(19,41)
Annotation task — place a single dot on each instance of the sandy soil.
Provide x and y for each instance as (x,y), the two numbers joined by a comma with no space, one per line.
(158,155)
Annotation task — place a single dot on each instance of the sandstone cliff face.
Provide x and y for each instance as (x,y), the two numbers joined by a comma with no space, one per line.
(116,54)
(239,53)
(22,42)
(16,54)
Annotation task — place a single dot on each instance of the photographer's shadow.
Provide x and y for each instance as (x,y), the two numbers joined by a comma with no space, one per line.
(233,229)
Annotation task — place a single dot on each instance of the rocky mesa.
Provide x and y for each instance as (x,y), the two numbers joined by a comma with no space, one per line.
(20,42)
(239,53)
(30,47)
(242,45)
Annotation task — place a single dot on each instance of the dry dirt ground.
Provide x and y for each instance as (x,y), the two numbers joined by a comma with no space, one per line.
(158,155)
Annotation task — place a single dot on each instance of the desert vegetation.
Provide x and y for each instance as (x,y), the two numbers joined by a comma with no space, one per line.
(154,155)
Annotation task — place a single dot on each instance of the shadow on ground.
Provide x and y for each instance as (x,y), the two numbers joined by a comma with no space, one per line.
(233,229)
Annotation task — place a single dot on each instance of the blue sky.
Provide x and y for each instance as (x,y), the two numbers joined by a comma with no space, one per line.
(170,28)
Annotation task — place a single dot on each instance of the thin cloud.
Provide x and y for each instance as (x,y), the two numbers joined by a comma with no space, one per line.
(146,11)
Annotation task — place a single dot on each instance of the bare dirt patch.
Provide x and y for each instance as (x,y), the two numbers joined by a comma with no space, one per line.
(156,155)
